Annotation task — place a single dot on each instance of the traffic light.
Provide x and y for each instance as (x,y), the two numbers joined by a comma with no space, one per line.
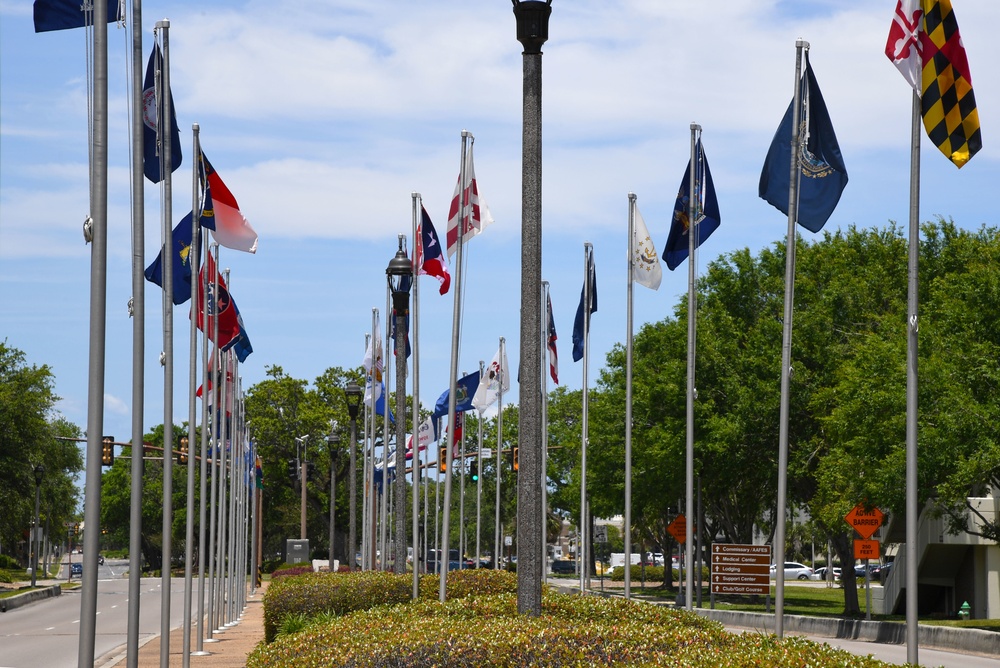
(293,469)
(443,460)
(310,470)
(515,458)
(474,471)
(182,451)
(108,451)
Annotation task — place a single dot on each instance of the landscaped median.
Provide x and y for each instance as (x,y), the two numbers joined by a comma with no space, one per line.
(367,619)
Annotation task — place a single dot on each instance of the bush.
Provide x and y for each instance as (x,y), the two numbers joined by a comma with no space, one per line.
(653,574)
(571,631)
(9,563)
(292,569)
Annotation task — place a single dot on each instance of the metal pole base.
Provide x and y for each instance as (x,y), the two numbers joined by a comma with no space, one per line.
(202,652)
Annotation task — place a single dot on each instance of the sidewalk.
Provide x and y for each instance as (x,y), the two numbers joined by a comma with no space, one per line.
(231,650)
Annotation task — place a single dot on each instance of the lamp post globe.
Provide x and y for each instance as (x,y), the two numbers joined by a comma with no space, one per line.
(399,275)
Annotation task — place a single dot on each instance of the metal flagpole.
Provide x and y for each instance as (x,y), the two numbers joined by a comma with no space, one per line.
(545,430)
(220,543)
(415,422)
(163,129)
(194,260)
(694,188)
(217,393)
(479,468)
(463,209)
(786,348)
(138,312)
(461,492)
(437,507)
(387,392)
(370,527)
(203,463)
(498,546)
(98,318)
(588,249)
(628,397)
(912,299)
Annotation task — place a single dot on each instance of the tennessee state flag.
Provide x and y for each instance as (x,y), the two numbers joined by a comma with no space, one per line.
(220,307)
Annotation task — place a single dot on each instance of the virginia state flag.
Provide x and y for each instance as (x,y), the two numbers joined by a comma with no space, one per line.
(821,170)
(707,217)
(151,147)
(182,237)
(68,14)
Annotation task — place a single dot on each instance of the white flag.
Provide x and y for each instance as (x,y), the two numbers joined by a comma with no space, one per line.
(646,268)
(473,210)
(497,377)
(373,365)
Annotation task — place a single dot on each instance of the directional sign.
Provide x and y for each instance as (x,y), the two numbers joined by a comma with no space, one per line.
(865,521)
(738,578)
(678,529)
(866,549)
(740,569)
(760,590)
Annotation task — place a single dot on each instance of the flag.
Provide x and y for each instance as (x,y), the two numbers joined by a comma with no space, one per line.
(259,470)
(465,390)
(822,174)
(578,332)
(379,407)
(182,236)
(474,212)
(427,255)
(707,217)
(220,304)
(150,143)
(241,344)
(425,436)
(551,341)
(372,364)
(68,14)
(926,47)
(496,380)
(646,268)
(229,227)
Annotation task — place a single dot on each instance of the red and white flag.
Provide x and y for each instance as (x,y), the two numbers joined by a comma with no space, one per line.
(903,46)
(474,212)
(550,341)
(229,227)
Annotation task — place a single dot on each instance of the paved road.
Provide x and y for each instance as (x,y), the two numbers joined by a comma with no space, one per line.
(46,634)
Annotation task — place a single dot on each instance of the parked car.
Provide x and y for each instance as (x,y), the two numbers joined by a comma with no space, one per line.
(793,571)
(881,571)
(563,566)
(820,573)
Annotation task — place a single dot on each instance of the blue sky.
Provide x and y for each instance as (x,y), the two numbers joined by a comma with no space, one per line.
(323,117)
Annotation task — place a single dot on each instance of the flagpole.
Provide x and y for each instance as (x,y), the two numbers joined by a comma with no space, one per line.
(203,464)
(163,129)
(214,562)
(498,547)
(912,299)
(786,348)
(463,203)
(138,311)
(545,432)
(584,436)
(193,261)
(386,393)
(415,528)
(479,467)
(628,397)
(98,335)
(693,210)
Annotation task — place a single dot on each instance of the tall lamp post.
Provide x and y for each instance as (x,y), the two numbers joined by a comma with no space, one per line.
(353,392)
(36,542)
(333,444)
(399,275)
(532,32)
(301,440)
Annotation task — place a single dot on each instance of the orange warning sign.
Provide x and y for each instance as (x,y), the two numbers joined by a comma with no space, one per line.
(678,529)
(866,549)
(865,521)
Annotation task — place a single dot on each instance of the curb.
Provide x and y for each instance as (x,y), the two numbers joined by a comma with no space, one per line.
(29,597)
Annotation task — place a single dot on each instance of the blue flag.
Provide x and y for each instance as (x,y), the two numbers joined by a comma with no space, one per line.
(578,322)
(151,148)
(241,344)
(707,216)
(181,262)
(67,14)
(380,404)
(822,174)
(465,390)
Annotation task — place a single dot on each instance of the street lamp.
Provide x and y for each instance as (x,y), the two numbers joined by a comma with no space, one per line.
(333,444)
(302,481)
(399,275)
(36,543)
(354,393)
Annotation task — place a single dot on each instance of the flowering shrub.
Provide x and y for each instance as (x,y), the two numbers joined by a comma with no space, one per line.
(297,569)
(571,631)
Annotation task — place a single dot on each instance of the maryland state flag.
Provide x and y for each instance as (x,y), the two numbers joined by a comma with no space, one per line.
(924,38)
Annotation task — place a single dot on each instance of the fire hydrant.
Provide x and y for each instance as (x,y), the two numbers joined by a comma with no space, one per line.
(964,611)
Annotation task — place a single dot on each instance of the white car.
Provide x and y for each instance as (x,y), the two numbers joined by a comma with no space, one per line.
(793,571)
